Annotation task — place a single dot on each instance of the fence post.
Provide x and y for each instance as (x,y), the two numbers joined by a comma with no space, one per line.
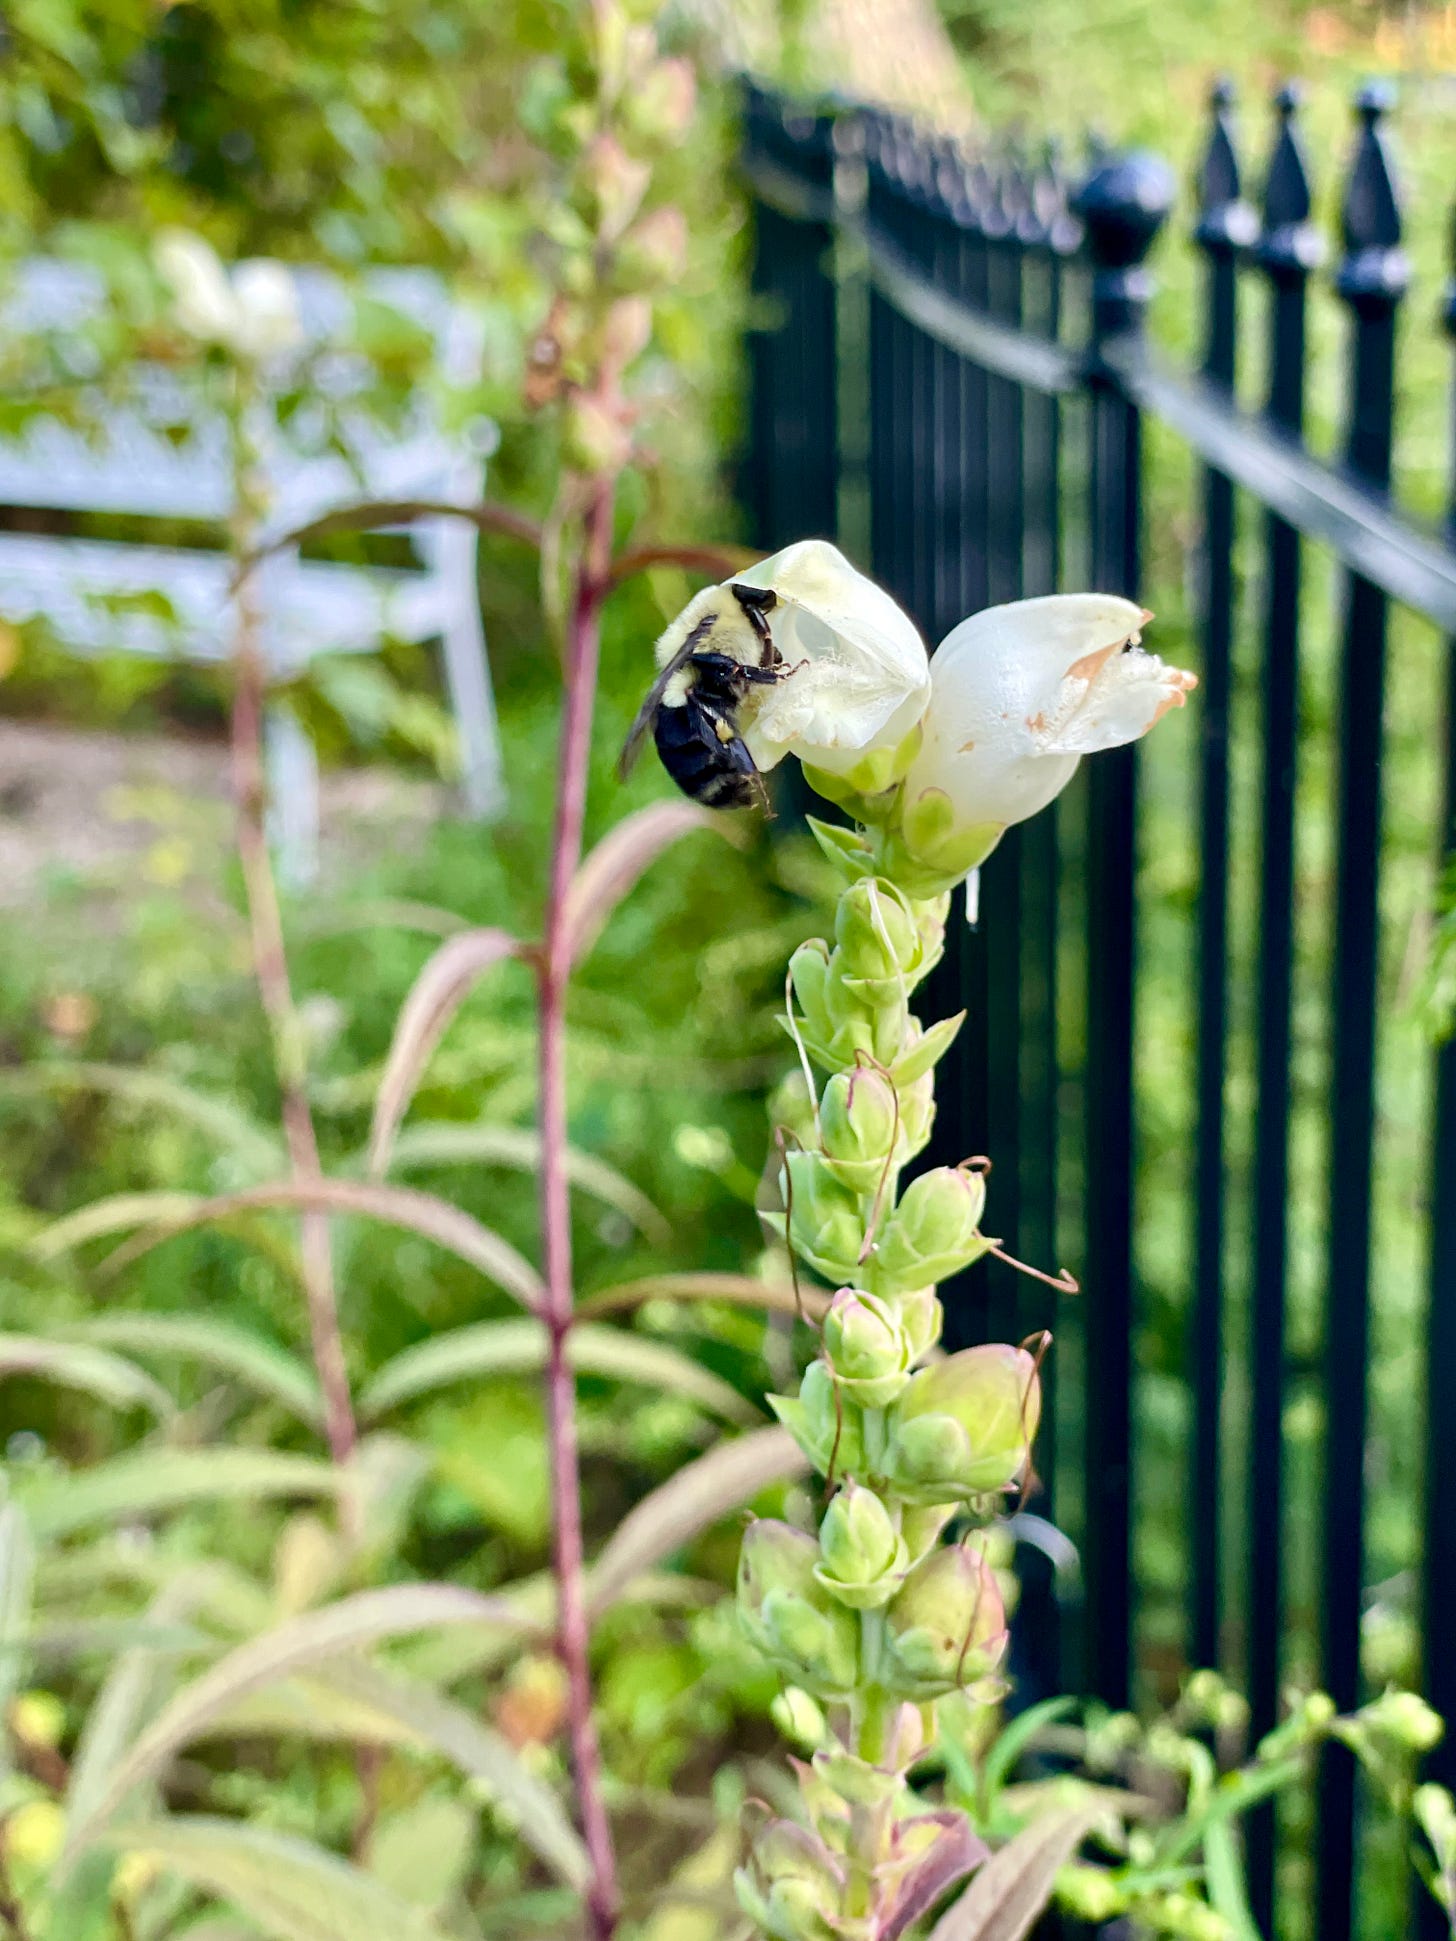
(1289,249)
(1226,226)
(1123,203)
(1371,280)
(1439,1577)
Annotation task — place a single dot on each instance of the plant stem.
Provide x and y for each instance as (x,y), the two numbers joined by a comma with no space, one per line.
(270,969)
(582,649)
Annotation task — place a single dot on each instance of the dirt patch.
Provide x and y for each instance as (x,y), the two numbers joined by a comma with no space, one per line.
(96,809)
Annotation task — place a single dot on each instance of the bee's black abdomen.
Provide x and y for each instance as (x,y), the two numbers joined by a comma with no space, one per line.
(715,772)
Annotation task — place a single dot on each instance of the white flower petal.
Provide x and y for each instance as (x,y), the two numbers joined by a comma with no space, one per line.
(204,302)
(267,304)
(1019,693)
(867,680)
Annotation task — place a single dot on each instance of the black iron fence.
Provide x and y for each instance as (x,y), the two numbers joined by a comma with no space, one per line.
(952,375)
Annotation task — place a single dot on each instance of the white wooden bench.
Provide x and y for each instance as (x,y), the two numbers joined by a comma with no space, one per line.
(101,595)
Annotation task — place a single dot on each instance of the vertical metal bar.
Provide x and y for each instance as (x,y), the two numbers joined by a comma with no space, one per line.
(1000,888)
(1371,280)
(1289,248)
(1226,225)
(1123,203)
(962,979)
(1439,1583)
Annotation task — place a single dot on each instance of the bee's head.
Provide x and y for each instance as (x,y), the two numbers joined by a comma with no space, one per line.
(733,628)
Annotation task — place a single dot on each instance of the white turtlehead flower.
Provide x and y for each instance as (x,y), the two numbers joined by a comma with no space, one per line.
(201,294)
(267,309)
(1020,693)
(866,679)
(253,312)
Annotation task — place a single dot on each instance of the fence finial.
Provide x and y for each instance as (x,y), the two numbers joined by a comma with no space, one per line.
(1226,222)
(1290,246)
(1374,270)
(1123,204)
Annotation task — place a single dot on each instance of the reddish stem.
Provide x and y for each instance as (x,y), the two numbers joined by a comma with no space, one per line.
(583,641)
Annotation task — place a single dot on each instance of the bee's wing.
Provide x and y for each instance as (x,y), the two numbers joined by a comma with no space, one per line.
(637,733)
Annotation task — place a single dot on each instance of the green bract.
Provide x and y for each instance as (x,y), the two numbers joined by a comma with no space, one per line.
(946,1627)
(963,1428)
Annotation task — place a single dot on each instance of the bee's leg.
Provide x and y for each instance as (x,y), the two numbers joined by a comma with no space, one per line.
(760,789)
(769,676)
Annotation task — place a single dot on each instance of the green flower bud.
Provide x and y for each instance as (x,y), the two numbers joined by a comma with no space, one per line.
(1090,1893)
(1405,1718)
(799,1718)
(791,1105)
(825,1226)
(963,1427)
(920,1315)
(867,1347)
(933,1233)
(1309,1720)
(921,1525)
(792,1620)
(946,1627)
(792,1886)
(837,1024)
(863,1557)
(917,1113)
(876,930)
(824,1422)
(859,1126)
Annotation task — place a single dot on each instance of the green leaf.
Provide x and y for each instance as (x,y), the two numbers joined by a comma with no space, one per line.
(1226,1888)
(17,1579)
(1017,1736)
(480,1752)
(74,1365)
(135,1685)
(312,1639)
(398,1206)
(447,1144)
(519,1347)
(293,1889)
(117,1213)
(1012,1888)
(729,1476)
(217,1119)
(264,1366)
(738,1290)
(423,1852)
(152,1481)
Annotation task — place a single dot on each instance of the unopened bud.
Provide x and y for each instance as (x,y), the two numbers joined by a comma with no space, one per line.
(1405,1718)
(876,931)
(825,1227)
(917,1113)
(791,1105)
(963,1427)
(863,1559)
(792,1620)
(660,105)
(799,1718)
(1090,1893)
(617,183)
(867,1347)
(859,1128)
(792,1886)
(595,437)
(933,1233)
(824,1422)
(654,251)
(946,1627)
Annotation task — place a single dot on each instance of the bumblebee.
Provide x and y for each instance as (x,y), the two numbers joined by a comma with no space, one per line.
(709,659)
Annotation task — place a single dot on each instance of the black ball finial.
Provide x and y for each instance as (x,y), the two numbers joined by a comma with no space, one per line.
(1226,223)
(1123,203)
